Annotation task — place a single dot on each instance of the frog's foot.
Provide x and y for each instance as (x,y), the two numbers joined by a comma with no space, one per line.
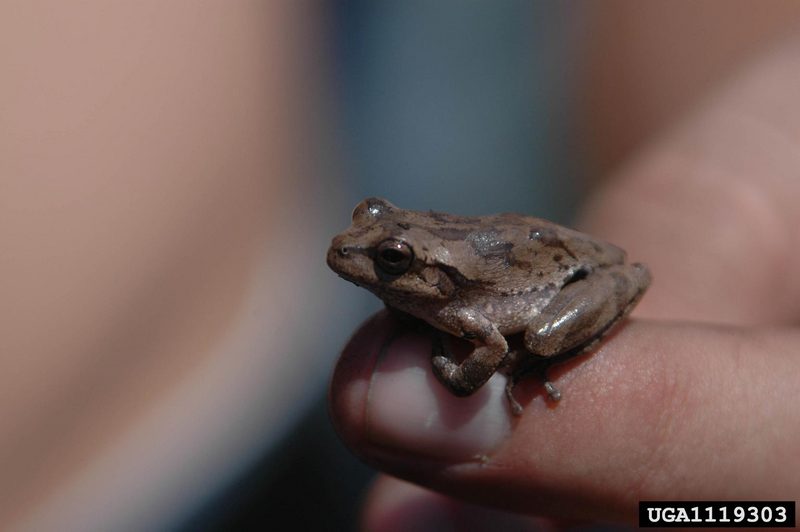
(514,376)
(473,372)
(449,373)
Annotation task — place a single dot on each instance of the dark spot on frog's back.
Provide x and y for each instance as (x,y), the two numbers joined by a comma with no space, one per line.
(440,217)
(449,232)
(449,219)
(489,244)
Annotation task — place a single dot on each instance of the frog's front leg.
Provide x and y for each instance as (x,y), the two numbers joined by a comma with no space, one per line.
(490,350)
(584,311)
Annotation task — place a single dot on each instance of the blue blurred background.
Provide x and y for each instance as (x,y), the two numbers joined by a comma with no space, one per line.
(447,105)
(457,106)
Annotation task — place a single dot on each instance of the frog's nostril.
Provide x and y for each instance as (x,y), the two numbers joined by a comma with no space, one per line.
(343,251)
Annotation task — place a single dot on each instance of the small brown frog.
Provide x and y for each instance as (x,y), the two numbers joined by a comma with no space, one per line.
(484,278)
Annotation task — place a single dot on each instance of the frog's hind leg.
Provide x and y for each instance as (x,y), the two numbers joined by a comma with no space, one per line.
(582,313)
(585,310)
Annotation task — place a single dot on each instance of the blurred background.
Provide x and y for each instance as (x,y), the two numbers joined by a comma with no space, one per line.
(170,177)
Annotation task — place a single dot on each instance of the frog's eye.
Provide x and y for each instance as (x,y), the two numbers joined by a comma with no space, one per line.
(394,257)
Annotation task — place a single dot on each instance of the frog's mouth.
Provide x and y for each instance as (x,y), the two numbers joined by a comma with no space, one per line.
(350,280)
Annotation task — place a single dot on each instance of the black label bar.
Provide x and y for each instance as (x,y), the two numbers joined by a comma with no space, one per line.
(727,514)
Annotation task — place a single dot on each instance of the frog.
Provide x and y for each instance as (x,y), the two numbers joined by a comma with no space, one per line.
(486,279)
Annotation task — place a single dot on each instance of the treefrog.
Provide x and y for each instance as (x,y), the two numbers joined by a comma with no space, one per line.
(485,278)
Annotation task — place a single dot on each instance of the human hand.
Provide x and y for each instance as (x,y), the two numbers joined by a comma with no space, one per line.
(693,399)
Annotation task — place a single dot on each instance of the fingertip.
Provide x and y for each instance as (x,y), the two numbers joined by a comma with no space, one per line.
(384,398)
(349,387)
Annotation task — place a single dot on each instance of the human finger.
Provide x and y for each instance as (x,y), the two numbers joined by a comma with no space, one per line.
(663,411)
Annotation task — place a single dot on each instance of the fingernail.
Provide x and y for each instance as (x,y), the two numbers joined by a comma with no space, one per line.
(408,409)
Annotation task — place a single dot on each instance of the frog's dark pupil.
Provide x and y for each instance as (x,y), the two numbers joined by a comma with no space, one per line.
(393,256)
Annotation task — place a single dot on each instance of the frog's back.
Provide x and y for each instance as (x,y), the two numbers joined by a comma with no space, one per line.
(510,253)
(545,240)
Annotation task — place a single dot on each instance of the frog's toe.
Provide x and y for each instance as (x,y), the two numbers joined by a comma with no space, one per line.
(516,408)
(451,376)
(444,369)
(552,392)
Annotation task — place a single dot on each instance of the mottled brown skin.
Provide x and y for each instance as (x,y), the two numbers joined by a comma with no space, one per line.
(484,278)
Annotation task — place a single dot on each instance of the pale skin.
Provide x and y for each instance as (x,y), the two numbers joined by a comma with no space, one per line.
(695,397)
(148,152)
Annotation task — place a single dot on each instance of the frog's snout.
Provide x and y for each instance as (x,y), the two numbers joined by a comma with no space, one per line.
(336,251)
(339,252)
